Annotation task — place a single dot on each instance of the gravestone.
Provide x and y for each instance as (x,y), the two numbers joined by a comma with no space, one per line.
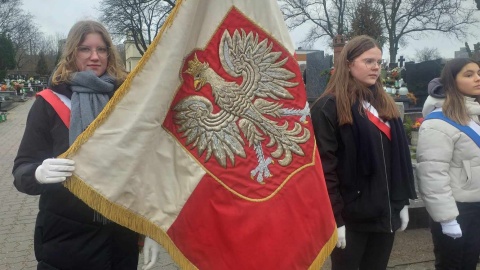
(317,62)
(418,75)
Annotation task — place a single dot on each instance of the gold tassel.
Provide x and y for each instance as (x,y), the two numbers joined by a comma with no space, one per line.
(127,218)
(325,252)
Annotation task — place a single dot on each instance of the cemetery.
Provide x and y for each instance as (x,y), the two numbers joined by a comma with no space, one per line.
(14,91)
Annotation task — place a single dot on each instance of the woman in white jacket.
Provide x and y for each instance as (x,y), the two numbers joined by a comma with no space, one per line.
(448,171)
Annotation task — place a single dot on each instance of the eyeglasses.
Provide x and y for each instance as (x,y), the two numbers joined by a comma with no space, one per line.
(86,52)
(371,63)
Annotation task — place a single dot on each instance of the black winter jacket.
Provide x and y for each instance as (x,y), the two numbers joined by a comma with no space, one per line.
(66,235)
(361,199)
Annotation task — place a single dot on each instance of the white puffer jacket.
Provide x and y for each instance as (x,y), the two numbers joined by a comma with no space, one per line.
(448,164)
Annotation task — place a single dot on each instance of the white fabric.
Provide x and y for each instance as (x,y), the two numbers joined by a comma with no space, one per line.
(151,250)
(132,139)
(452,229)
(342,240)
(448,166)
(64,99)
(54,170)
(404,218)
(371,109)
(473,125)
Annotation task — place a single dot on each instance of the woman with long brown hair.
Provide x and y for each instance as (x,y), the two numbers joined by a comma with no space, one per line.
(365,158)
(448,170)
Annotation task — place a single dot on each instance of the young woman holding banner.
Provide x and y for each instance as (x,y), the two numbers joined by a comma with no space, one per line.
(68,233)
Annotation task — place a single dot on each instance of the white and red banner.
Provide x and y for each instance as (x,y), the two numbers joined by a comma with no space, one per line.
(208,146)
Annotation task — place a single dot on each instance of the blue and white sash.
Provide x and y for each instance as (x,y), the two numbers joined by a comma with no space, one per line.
(472,130)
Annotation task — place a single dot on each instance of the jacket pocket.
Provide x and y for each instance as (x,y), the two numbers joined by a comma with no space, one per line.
(467,168)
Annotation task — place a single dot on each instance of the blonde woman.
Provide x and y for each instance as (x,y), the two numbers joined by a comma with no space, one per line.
(448,156)
(365,158)
(69,234)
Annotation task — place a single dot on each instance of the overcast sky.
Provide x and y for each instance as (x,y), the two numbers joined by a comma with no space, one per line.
(57,16)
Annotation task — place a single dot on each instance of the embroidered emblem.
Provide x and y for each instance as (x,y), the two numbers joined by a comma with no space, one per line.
(244,108)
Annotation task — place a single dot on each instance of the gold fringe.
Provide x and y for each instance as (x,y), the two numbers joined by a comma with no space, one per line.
(125,87)
(127,218)
(122,215)
(325,252)
(96,201)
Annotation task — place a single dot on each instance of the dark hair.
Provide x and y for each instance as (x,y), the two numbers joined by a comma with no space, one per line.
(348,90)
(454,105)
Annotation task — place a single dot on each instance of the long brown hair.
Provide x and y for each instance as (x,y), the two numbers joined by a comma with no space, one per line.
(77,34)
(454,105)
(349,90)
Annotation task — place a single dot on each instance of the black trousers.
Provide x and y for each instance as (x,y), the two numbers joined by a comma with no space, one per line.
(461,253)
(364,251)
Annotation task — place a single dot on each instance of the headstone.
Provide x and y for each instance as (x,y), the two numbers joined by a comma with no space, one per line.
(315,84)
(419,75)
(392,65)
(401,60)
(401,109)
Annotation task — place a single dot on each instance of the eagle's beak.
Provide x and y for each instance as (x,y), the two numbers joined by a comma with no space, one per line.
(197,84)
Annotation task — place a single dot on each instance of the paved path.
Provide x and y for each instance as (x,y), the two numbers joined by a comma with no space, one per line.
(412,249)
(17,210)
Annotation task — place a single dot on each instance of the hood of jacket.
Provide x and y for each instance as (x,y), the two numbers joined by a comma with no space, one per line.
(435,88)
(431,104)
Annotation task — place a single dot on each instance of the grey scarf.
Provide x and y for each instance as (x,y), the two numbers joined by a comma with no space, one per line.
(89,97)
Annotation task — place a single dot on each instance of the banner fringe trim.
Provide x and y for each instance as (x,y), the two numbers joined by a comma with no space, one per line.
(127,218)
(325,252)
(124,216)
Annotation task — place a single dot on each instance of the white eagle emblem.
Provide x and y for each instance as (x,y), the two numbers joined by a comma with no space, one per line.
(243,106)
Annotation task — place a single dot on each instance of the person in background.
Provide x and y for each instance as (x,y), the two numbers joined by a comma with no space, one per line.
(448,164)
(365,156)
(68,233)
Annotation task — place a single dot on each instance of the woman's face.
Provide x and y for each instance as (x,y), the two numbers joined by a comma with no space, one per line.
(92,54)
(366,67)
(468,80)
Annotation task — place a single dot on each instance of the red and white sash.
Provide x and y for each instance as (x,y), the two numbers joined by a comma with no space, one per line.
(372,114)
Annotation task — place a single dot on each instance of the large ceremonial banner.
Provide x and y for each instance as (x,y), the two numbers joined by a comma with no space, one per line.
(208,146)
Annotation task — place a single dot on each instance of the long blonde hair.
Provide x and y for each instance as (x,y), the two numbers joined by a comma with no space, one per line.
(349,90)
(67,64)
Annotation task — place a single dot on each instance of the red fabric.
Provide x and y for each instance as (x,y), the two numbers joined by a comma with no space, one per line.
(380,125)
(62,110)
(231,221)
(219,230)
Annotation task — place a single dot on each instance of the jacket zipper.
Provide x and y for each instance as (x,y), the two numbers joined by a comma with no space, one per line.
(386,181)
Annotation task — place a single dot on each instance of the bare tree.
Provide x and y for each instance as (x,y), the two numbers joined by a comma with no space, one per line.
(18,26)
(326,17)
(405,19)
(427,53)
(139,19)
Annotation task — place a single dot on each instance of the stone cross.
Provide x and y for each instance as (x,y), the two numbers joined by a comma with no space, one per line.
(401,60)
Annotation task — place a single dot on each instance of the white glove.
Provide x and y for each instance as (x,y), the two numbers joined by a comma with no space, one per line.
(54,170)
(404,218)
(150,248)
(451,228)
(342,241)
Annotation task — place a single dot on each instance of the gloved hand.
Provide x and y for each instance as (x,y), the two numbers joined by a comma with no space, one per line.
(451,228)
(54,170)
(150,248)
(342,241)
(404,218)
